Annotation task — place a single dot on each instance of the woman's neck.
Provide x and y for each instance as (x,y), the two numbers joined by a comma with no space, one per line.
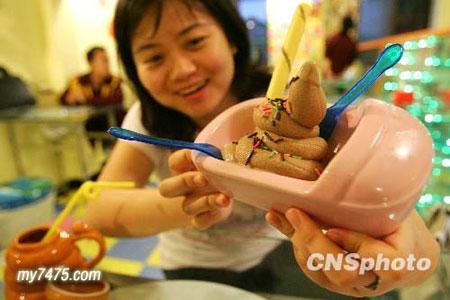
(227,102)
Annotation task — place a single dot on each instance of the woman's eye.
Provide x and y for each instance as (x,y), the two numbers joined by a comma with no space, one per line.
(196,41)
(153,60)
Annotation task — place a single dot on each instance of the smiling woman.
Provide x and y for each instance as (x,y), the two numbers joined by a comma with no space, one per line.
(188,61)
(185,62)
(203,41)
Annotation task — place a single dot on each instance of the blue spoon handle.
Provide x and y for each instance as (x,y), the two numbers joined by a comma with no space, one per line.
(388,58)
(129,135)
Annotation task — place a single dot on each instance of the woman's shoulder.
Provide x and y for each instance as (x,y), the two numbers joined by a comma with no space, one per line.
(133,117)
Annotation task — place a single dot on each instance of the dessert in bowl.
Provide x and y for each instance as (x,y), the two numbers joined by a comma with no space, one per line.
(378,161)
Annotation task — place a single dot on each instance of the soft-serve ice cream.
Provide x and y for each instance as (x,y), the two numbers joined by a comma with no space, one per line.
(286,139)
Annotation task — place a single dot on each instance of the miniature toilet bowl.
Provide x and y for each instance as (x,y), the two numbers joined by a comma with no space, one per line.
(380,158)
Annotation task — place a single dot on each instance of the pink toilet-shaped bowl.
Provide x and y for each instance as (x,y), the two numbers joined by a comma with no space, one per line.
(380,158)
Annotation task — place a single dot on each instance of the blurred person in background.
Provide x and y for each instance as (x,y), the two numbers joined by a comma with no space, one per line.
(98,88)
(341,49)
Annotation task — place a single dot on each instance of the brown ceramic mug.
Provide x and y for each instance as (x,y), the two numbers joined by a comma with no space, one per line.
(28,251)
(78,291)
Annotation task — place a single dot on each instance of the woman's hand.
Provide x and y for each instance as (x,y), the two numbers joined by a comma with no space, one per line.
(202,202)
(412,238)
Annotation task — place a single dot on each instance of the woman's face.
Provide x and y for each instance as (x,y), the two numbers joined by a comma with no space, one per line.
(187,63)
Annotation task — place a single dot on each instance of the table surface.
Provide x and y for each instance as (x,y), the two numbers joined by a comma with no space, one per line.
(53,114)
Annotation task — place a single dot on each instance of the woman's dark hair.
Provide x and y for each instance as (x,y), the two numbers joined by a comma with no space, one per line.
(161,121)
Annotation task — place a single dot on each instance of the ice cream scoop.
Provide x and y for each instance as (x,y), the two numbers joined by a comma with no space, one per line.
(286,139)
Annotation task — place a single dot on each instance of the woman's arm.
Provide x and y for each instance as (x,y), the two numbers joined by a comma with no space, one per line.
(133,212)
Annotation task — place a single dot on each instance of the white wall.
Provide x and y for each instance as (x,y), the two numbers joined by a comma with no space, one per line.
(79,25)
(45,41)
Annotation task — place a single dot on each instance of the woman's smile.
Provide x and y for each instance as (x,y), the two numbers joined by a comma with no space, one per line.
(193,91)
(186,63)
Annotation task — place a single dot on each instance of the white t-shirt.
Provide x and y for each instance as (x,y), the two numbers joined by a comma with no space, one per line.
(238,244)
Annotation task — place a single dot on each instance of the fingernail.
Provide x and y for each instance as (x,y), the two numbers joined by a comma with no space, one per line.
(334,235)
(293,217)
(273,220)
(200,180)
(222,200)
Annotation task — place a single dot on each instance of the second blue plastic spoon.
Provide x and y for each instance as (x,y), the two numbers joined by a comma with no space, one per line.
(389,57)
(126,134)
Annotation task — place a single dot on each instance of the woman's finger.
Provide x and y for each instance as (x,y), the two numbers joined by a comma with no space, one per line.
(180,161)
(371,251)
(182,184)
(194,205)
(302,255)
(207,219)
(308,236)
(279,221)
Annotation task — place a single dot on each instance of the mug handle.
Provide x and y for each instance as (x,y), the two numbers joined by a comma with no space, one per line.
(81,231)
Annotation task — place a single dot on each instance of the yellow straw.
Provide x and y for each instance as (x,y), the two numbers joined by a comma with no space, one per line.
(286,57)
(88,190)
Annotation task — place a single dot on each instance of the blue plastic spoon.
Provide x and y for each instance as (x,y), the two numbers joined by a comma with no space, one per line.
(126,134)
(388,58)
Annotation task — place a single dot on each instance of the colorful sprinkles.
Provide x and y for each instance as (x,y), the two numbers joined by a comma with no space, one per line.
(274,107)
(252,135)
(293,79)
(269,136)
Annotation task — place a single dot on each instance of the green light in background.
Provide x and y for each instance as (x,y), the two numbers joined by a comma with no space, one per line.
(427,198)
(436,61)
(408,88)
(436,172)
(447,142)
(446,163)
(436,134)
(433,104)
(422,43)
(391,72)
(446,150)
(407,45)
(415,110)
(437,118)
(437,198)
(431,41)
(447,62)
(427,77)
(447,199)
(406,75)
(417,75)
(390,86)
